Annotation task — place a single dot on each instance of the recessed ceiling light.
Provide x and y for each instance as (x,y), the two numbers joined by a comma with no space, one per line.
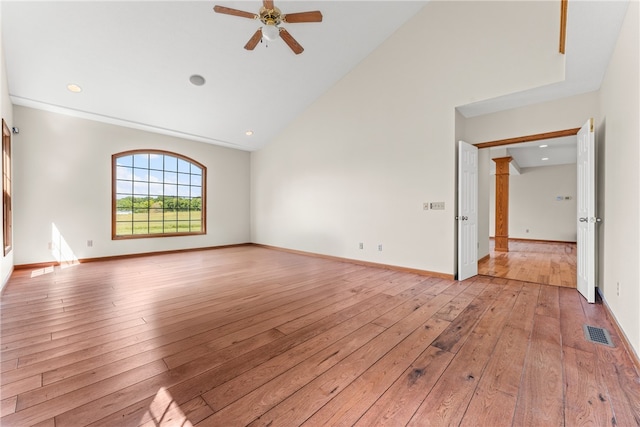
(74,88)
(544,146)
(249,133)
(545,158)
(197,80)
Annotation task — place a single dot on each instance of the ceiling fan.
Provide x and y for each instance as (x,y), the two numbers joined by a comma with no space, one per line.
(271,18)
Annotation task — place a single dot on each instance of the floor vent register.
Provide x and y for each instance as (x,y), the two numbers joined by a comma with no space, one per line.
(597,335)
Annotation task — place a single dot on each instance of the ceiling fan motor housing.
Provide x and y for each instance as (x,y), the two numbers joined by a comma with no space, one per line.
(270,16)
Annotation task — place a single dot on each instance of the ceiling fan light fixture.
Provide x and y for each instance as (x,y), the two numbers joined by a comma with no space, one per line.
(270,32)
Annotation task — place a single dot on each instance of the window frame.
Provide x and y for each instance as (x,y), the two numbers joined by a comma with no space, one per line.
(114,193)
(7,190)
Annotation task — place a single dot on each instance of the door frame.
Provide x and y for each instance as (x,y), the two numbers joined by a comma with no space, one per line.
(521,139)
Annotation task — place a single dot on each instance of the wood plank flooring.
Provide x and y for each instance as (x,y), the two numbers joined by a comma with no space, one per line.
(548,263)
(259,337)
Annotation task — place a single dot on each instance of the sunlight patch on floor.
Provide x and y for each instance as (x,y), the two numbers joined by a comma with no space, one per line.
(164,411)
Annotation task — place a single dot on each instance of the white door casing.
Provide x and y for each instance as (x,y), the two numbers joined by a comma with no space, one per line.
(467,217)
(586,213)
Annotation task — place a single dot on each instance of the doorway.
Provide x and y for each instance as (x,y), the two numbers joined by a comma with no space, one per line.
(542,205)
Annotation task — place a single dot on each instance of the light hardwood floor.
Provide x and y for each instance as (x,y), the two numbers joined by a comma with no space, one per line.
(253,336)
(548,263)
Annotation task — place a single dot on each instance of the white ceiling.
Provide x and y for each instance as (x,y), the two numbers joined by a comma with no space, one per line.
(548,152)
(133,61)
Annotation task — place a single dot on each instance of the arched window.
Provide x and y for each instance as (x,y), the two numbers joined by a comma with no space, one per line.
(157,193)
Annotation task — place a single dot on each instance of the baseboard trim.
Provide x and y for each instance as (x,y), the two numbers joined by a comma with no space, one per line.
(518,239)
(484,258)
(359,262)
(48,264)
(623,337)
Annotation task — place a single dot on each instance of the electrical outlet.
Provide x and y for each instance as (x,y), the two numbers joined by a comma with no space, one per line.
(361,245)
(618,288)
(380,247)
(90,243)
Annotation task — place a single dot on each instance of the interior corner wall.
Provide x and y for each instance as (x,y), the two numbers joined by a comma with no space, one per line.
(618,138)
(358,164)
(62,189)
(6,111)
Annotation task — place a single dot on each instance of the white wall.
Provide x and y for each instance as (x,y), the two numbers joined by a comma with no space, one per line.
(619,179)
(566,113)
(62,179)
(6,111)
(534,209)
(359,163)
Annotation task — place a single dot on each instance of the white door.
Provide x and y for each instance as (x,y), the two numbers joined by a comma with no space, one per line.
(467,211)
(586,200)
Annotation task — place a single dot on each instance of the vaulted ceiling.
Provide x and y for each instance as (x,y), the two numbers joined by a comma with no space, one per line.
(133,61)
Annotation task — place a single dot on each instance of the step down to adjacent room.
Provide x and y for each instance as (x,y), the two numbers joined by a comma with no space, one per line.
(597,335)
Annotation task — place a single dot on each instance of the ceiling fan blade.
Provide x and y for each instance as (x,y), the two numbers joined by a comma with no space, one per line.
(253,41)
(268,4)
(291,42)
(313,16)
(235,12)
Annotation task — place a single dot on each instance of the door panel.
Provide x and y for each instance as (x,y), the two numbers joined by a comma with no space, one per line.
(467,210)
(586,256)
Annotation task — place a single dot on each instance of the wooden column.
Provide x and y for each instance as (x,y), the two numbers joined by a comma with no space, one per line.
(502,204)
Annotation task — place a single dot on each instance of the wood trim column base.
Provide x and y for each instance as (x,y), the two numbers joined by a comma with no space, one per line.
(501,244)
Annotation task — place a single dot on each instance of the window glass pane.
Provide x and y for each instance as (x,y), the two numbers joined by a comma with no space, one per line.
(155,189)
(141,215)
(168,202)
(195,170)
(141,161)
(184,191)
(170,178)
(156,161)
(196,204)
(183,226)
(141,188)
(124,187)
(195,215)
(183,166)
(156,227)
(196,191)
(123,172)
(170,190)
(124,228)
(184,179)
(155,176)
(196,180)
(140,175)
(141,227)
(124,161)
(170,163)
(196,226)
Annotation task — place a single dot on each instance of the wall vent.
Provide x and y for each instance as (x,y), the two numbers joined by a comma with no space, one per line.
(597,335)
